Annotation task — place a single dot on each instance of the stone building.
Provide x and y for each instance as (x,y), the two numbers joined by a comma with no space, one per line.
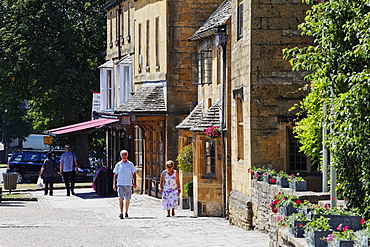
(263,90)
(246,88)
(146,79)
(211,75)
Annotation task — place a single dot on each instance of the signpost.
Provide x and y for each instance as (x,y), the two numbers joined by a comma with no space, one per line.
(48,140)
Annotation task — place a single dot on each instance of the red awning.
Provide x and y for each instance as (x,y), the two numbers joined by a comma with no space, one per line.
(98,123)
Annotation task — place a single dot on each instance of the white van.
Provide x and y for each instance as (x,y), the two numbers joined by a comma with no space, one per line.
(35,142)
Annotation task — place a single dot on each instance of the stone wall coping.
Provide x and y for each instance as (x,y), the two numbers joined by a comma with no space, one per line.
(273,189)
(286,239)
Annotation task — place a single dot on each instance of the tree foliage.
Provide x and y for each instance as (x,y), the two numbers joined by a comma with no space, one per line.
(339,65)
(50,51)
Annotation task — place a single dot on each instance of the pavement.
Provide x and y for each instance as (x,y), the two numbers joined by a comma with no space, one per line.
(89,220)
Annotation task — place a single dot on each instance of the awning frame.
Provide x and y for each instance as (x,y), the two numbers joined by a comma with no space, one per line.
(83,126)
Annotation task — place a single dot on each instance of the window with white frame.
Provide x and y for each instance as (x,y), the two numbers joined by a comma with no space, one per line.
(124,83)
(107,88)
(110,89)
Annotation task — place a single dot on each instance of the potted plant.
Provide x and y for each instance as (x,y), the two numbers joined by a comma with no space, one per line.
(341,237)
(298,221)
(285,204)
(185,159)
(338,216)
(188,190)
(282,179)
(256,173)
(294,222)
(316,231)
(269,176)
(297,183)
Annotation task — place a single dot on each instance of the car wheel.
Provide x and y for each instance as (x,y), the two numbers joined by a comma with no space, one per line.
(20,179)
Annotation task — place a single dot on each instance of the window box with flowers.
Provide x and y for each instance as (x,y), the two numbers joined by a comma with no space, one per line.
(297,183)
(213,133)
(341,237)
(297,229)
(295,223)
(285,204)
(269,176)
(282,179)
(338,216)
(316,232)
(256,173)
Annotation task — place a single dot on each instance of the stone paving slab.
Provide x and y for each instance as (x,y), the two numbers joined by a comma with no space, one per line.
(89,220)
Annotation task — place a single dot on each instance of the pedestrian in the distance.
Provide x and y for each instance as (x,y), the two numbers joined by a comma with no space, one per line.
(170,187)
(123,181)
(49,173)
(68,168)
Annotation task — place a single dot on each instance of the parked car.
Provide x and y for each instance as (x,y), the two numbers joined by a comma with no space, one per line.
(28,164)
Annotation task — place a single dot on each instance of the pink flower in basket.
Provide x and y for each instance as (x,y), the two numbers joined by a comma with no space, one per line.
(213,132)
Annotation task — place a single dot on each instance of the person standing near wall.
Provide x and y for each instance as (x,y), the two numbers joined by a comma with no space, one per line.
(123,181)
(68,168)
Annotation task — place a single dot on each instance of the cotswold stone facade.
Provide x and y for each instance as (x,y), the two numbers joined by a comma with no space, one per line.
(264,88)
(146,79)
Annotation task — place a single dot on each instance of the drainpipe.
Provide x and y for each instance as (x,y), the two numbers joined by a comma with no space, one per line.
(221,40)
(119,28)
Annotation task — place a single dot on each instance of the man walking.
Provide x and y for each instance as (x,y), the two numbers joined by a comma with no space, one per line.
(68,168)
(124,179)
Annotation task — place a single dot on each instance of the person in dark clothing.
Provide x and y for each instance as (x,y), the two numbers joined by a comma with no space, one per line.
(49,172)
(68,169)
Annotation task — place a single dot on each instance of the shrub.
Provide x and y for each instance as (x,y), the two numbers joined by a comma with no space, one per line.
(185,159)
(188,189)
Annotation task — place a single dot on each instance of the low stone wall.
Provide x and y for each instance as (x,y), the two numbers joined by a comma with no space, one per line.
(255,212)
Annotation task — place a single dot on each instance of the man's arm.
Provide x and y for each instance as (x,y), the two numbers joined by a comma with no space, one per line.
(76,164)
(61,168)
(134,177)
(115,181)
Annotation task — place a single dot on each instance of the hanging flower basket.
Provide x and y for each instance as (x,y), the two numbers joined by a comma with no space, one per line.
(213,132)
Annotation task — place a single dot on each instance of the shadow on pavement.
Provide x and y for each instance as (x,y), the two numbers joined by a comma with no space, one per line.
(141,217)
(91,195)
(11,204)
(189,217)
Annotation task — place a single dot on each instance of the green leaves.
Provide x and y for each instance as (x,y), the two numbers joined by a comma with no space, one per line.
(185,159)
(338,63)
(51,50)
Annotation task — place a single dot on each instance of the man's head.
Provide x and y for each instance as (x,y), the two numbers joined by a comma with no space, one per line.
(49,155)
(67,147)
(124,154)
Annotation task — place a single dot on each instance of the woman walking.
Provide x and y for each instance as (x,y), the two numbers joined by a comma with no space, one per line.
(170,187)
(48,172)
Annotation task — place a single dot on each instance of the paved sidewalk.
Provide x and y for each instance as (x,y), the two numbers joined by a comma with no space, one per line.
(88,220)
